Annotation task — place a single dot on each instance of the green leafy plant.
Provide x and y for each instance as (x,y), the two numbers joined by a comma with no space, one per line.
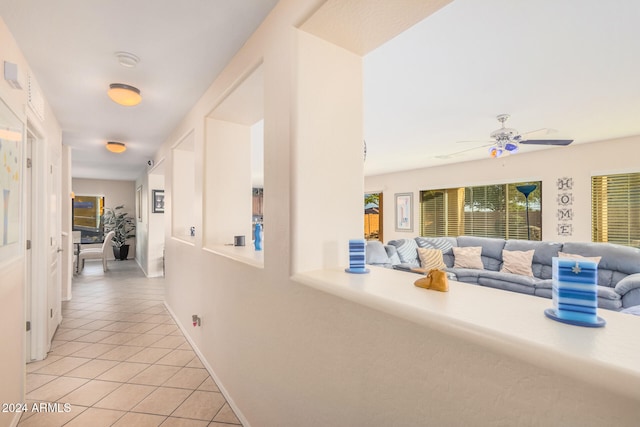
(119,221)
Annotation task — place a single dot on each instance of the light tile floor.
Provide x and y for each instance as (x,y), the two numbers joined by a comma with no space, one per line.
(118,359)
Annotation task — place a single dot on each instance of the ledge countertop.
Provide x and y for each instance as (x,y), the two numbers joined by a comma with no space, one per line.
(507,322)
(245,254)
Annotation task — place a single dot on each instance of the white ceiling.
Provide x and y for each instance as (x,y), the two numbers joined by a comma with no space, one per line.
(182,46)
(569,65)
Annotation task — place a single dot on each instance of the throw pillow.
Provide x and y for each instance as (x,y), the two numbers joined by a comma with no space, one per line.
(468,257)
(376,254)
(595,259)
(431,258)
(517,262)
(407,250)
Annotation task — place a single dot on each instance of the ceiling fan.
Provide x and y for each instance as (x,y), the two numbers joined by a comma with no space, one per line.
(508,140)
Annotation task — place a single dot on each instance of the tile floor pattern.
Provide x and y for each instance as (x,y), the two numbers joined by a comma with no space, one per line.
(118,359)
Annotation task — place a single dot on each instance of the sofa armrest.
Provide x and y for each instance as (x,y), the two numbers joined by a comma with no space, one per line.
(628,284)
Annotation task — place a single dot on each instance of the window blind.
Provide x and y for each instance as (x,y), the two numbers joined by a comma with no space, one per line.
(487,211)
(615,204)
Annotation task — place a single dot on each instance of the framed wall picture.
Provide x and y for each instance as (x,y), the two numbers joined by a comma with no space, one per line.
(404,211)
(158,201)
(11,183)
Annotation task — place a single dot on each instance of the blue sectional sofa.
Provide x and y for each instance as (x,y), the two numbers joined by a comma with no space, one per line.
(618,267)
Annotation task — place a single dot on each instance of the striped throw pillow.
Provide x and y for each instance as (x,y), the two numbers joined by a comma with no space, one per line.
(407,250)
(431,258)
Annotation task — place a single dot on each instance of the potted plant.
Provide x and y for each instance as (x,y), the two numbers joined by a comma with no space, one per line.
(124,226)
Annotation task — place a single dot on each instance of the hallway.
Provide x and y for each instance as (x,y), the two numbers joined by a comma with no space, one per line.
(118,359)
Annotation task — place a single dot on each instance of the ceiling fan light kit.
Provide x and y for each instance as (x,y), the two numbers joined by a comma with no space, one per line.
(508,140)
(123,94)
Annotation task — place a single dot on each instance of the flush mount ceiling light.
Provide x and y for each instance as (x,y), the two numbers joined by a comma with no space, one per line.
(116,147)
(126,59)
(123,94)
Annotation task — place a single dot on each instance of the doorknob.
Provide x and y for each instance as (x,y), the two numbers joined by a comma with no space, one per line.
(60,250)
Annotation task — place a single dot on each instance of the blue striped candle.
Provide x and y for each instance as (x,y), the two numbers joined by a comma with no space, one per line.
(575,292)
(357,256)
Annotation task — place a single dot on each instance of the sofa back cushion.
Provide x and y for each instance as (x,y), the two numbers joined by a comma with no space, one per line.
(443,243)
(542,257)
(617,261)
(491,250)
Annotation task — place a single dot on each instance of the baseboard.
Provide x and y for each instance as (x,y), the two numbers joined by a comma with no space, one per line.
(209,369)
(16,419)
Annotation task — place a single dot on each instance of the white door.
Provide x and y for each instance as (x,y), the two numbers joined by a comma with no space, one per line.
(43,288)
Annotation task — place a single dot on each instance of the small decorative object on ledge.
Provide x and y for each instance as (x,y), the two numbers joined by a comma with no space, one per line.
(435,279)
(357,256)
(575,295)
(258,237)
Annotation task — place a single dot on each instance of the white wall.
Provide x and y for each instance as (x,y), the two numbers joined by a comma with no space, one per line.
(12,270)
(228,182)
(288,355)
(115,193)
(579,161)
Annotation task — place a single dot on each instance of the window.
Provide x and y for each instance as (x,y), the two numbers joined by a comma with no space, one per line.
(615,206)
(373,216)
(87,217)
(489,211)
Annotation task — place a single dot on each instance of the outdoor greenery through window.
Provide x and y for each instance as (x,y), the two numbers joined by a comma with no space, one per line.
(615,216)
(499,210)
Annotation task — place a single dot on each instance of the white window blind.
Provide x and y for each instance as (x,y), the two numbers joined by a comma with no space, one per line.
(615,201)
(487,211)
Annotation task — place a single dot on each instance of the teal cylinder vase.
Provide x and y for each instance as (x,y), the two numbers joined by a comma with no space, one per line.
(257,241)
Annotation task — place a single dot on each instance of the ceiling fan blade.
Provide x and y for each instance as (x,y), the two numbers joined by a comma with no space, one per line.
(547,141)
(457,153)
(537,133)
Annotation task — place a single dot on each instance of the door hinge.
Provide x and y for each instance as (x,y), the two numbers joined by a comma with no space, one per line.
(29,163)
(28,244)
(28,325)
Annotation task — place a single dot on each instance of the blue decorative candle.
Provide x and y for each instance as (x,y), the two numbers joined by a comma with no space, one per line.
(357,256)
(257,242)
(575,293)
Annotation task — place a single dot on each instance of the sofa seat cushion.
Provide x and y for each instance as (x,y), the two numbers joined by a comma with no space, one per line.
(405,266)
(466,275)
(635,310)
(603,301)
(518,279)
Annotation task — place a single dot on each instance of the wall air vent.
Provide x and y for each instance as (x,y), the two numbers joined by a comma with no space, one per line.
(36,100)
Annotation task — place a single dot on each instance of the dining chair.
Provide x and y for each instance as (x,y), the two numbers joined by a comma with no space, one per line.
(97,253)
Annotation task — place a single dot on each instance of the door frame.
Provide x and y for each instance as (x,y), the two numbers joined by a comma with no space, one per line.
(36,288)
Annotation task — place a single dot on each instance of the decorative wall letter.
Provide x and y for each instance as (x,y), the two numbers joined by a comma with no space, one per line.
(565,201)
